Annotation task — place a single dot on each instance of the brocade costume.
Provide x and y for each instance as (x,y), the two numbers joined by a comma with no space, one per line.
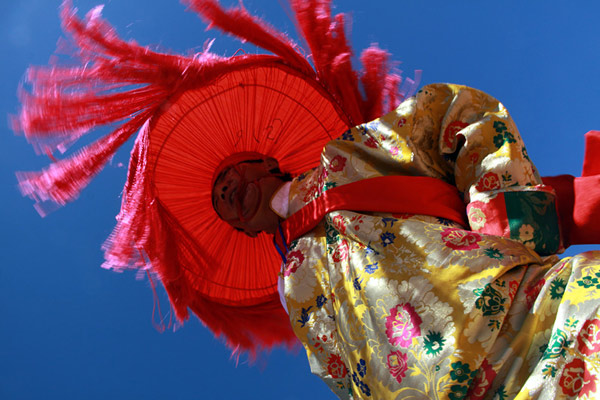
(418,307)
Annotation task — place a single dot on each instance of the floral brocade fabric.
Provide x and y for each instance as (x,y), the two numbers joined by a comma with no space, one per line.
(399,306)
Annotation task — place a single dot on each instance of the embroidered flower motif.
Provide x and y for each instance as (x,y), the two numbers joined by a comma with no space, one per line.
(459,239)
(489,181)
(341,251)
(501,393)
(499,126)
(433,343)
(339,224)
(576,380)
(397,363)
(336,367)
(476,218)
(490,301)
(589,337)
(361,385)
(493,253)
(458,392)
(304,316)
(311,193)
(337,164)
(556,346)
(361,368)
(450,132)
(387,220)
(482,382)
(370,268)
(371,142)
(510,138)
(348,135)
(394,150)
(444,221)
(587,281)
(387,238)
(499,140)
(401,122)
(526,232)
(300,281)
(557,288)
(331,233)
(402,325)
(294,260)
(460,371)
(328,186)
(321,300)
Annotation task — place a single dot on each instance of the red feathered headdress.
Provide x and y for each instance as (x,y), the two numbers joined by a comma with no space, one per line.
(191,113)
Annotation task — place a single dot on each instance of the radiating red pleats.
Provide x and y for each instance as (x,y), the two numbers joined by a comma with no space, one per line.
(136,89)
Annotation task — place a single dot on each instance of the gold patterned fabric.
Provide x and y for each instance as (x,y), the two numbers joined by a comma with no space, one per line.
(417,307)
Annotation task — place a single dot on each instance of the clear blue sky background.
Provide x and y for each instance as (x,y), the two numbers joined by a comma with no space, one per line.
(71,330)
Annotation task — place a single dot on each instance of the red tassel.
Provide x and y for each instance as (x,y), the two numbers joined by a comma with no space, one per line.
(238,22)
(127,84)
(332,56)
(131,234)
(62,181)
(375,62)
(331,53)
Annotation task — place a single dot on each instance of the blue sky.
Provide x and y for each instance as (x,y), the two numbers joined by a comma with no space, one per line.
(72,330)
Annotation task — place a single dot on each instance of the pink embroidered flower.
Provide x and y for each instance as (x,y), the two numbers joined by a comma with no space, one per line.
(401,122)
(397,363)
(589,337)
(337,164)
(338,224)
(489,181)
(394,150)
(402,325)
(451,130)
(341,252)
(294,260)
(576,380)
(371,142)
(482,382)
(459,239)
(336,367)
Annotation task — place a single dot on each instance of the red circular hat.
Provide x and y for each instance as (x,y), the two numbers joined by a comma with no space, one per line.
(267,108)
(191,115)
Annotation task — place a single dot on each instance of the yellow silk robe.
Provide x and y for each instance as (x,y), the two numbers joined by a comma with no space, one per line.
(417,307)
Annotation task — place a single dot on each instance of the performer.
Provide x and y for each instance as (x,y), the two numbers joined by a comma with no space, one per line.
(401,305)
(445,286)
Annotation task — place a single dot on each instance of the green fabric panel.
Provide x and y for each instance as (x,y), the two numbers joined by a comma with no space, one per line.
(533,220)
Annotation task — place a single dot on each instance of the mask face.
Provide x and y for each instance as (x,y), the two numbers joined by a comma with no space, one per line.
(237,195)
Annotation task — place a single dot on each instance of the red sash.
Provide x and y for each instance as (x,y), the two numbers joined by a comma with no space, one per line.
(393,194)
(578,200)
